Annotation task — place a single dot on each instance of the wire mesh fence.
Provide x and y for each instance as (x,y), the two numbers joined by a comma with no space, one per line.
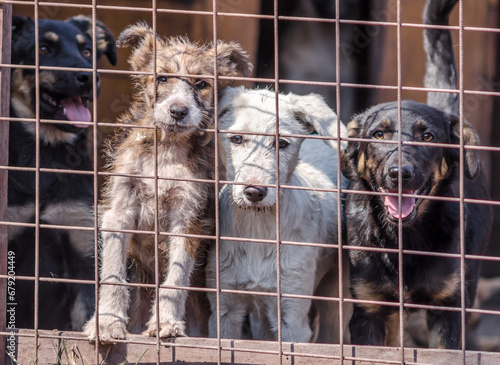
(355,55)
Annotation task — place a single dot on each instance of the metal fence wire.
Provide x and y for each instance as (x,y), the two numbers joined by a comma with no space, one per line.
(374,53)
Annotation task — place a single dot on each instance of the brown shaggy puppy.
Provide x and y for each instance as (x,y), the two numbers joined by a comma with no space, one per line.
(180,108)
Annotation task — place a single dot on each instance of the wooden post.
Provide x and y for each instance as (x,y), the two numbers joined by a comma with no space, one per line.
(5,39)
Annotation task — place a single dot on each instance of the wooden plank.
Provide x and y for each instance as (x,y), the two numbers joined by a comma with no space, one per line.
(242,30)
(479,53)
(491,125)
(73,348)
(5,40)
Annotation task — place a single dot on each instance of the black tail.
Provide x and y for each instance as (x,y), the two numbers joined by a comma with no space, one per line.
(441,71)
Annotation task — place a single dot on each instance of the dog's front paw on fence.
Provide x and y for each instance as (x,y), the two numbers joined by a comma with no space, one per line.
(111,328)
(170,328)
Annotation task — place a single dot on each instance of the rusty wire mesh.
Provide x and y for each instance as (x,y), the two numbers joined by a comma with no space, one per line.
(153,10)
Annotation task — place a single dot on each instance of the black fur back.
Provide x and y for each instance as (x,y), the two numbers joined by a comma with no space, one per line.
(54,187)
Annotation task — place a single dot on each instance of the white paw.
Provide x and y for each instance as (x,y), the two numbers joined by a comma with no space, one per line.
(169,328)
(111,327)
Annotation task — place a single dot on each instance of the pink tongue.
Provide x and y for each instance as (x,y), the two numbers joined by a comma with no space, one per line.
(407,205)
(76,112)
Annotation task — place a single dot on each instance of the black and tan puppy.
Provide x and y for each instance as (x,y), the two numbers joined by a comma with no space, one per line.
(399,186)
(64,199)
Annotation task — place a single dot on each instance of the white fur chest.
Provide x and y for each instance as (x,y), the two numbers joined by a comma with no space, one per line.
(253,265)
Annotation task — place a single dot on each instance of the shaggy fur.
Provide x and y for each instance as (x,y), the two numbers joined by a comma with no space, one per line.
(64,199)
(179,107)
(397,196)
(248,210)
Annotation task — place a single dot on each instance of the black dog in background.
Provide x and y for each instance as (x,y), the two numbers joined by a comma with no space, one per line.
(424,170)
(65,199)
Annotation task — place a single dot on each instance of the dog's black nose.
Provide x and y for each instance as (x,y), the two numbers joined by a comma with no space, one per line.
(178,112)
(406,172)
(85,78)
(255,194)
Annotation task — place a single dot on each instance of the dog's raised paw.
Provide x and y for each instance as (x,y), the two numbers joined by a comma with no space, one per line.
(111,328)
(167,329)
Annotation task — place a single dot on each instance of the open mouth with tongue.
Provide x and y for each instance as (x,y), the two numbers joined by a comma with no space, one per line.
(407,204)
(74,109)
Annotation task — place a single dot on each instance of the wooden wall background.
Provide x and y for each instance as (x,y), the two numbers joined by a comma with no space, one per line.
(5,16)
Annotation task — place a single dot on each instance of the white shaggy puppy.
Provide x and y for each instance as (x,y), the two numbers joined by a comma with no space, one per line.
(248,210)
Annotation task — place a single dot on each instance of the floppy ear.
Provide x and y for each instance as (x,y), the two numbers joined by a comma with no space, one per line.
(19,25)
(472,163)
(23,31)
(105,41)
(353,161)
(232,60)
(312,111)
(140,37)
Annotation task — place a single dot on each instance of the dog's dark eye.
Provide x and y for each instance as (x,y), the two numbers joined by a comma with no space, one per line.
(282,143)
(161,79)
(87,53)
(200,85)
(427,137)
(378,135)
(44,50)
(236,139)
